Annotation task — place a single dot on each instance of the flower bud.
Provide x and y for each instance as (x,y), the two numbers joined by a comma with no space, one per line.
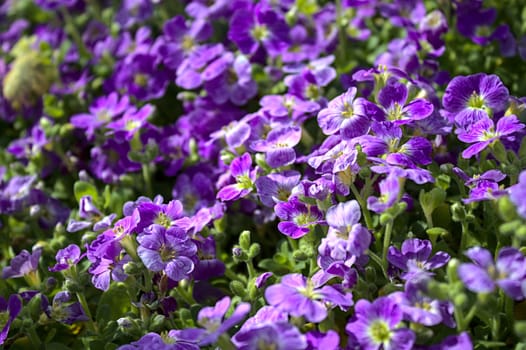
(458,212)
(244,240)
(254,250)
(238,289)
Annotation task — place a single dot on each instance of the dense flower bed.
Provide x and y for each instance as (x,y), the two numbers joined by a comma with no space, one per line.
(238,174)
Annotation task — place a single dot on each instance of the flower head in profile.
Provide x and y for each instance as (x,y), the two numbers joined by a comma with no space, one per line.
(67,257)
(9,310)
(414,260)
(377,326)
(484,133)
(241,170)
(25,265)
(518,194)
(484,274)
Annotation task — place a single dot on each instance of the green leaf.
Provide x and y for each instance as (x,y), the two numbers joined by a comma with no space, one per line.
(83,188)
(113,303)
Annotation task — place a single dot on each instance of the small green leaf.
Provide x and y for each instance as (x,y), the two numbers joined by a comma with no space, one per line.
(83,188)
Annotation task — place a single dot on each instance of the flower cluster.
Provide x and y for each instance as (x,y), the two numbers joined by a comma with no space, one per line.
(262,174)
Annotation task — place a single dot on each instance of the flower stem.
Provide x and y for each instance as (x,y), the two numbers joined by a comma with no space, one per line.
(363,205)
(82,299)
(147,179)
(387,241)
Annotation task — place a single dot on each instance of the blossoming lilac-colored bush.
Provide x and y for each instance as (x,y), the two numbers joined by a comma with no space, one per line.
(257,174)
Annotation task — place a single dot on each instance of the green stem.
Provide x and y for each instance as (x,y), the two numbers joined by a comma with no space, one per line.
(251,270)
(147,179)
(34,338)
(378,261)
(187,297)
(463,237)
(363,205)
(225,343)
(73,31)
(92,326)
(387,241)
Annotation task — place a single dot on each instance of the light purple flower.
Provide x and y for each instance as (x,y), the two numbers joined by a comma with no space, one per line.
(10,308)
(414,258)
(169,250)
(469,99)
(279,146)
(107,262)
(278,336)
(299,217)
(241,170)
(377,326)
(484,133)
(298,296)
(389,190)
(131,122)
(349,115)
(155,341)
(67,257)
(276,187)
(64,310)
(482,276)
(454,342)
(23,264)
(518,194)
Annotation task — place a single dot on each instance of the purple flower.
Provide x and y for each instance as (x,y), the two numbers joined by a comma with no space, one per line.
(469,99)
(110,161)
(413,259)
(241,170)
(278,336)
(349,115)
(276,187)
(518,194)
(229,78)
(23,264)
(390,190)
(131,122)
(393,98)
(287,106)
(299,217)
(67,257)
(346,235)
(107,262)
(134,11)
(454,342)
(65,311)
(155,341)
(259,25)
(326,341)
(209,265)
(189,72)
(279,146)
(141,78)
(482,187)
(377,326)
(298,296)
(169,250)
(213,320)
(101,112)
(194,192)
(421,309)
(483,133)
(9,310)
(482,276)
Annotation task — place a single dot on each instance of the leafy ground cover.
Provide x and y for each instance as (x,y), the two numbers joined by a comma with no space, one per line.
(237,174)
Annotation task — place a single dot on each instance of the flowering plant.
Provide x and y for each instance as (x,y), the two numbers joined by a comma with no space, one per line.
(257,174)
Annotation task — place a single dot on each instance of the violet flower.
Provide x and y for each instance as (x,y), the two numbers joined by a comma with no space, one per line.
(164,342)
(414,258)
(278,336)
(349,115)
(421,309)
(299,217)
(23,264)
(101,112)
(276,187)
(377,326)
(287,106)
(169,250)
(484,133)
(259,25)
(67,257)
(393,98)
(518,194)
(241,170)
(389,192)
(107,262)
(469,99)
(9,310)
(279,146)
(298,296)
(214,323)
(508,271)
(131,122)
(64,310)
